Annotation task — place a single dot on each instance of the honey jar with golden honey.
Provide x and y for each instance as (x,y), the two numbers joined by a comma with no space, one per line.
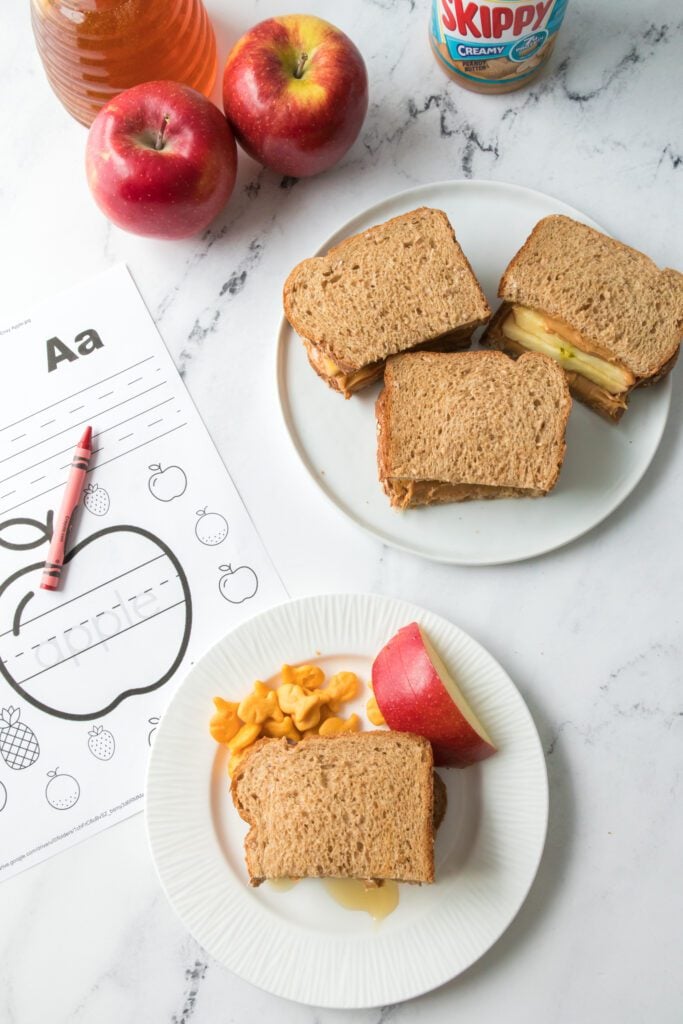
(93,49)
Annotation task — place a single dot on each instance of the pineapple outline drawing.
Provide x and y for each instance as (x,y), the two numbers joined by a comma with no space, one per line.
(19,745)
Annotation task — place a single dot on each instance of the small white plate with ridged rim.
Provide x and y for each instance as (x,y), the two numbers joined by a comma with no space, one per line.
(299,944)
(336,439)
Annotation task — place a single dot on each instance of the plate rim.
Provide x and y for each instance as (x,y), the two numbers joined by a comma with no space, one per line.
(618,496)
(540,819)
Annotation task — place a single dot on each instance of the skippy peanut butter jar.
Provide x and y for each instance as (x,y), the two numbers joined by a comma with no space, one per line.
(494,47)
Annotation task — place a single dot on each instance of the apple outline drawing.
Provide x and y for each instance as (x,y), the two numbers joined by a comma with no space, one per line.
(158,474)
(3,796)
(229,576)
(133,691)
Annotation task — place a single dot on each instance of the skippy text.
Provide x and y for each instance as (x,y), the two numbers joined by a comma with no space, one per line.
(490,21)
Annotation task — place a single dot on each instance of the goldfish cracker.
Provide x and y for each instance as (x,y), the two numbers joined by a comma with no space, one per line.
(373,712)
(288,696)
(307,713)
(303,706)
(343,686)
(337,726)
(311,677)
(259,705)
(244,738)
(224,723)
(278,729)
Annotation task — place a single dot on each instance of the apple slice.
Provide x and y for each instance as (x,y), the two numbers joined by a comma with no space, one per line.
(416,693)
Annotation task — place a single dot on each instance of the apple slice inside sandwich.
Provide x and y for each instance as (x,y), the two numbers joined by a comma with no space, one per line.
(416,693)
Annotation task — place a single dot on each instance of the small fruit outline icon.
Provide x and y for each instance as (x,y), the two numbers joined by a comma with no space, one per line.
(96,500)
(101,743)
(211,528)
(19,745)
(154,722)
(237,585)
(62,791)
(3,796)
(166,484)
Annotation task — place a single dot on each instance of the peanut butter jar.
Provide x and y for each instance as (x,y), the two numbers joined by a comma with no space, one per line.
(494,47)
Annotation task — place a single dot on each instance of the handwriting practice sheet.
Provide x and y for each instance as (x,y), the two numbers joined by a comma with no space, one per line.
(162,560)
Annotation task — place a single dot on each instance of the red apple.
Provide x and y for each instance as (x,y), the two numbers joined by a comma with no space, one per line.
(416,693)
(161,160)
(295,91)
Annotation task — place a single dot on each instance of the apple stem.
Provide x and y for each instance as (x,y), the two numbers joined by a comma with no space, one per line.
(159,144)
(301,64)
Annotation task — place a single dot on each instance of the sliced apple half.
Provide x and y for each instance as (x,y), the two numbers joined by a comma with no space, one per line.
(416,693)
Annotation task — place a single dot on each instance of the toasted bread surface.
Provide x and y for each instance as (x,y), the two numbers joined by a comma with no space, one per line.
(385,290)
(360,805)
(452,427)
(619,301)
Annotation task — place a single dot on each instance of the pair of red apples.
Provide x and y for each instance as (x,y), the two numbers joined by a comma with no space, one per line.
(161,159)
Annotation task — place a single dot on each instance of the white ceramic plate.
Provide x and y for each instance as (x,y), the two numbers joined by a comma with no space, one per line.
(336,438)
(300,944)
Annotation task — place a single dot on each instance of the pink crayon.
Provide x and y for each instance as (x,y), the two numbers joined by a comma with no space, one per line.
(72,495)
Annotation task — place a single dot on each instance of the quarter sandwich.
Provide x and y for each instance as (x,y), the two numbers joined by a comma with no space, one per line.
(401,285)
(603,311)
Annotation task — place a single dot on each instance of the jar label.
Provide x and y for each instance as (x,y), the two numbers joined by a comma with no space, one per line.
(495,42)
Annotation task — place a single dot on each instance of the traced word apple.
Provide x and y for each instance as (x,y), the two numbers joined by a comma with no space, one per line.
(237,585)
(64,656)
(416,693)
(167,484)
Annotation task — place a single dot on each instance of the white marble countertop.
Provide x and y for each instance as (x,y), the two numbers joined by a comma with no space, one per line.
(591,633)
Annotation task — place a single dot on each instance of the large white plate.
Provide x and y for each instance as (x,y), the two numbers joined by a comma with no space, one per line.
(300,944)
(336,439)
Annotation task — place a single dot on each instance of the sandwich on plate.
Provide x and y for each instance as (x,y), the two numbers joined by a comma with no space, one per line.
(401,285)
(358,805)
(604,312)
(467,425)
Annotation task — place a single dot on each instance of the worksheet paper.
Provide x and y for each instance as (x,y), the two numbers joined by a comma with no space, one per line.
(163,560)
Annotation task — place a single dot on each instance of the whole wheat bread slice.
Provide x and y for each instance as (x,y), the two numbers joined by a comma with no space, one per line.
(624,307)
(391,288)
(359,805)
(456,427)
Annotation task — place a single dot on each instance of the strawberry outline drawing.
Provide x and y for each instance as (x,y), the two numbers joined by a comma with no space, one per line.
(101,743)
(19,745)
(96,500)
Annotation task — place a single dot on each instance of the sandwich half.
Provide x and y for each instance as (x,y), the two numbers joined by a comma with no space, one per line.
(401,285)
(359,805)
(461,426)
(606,313)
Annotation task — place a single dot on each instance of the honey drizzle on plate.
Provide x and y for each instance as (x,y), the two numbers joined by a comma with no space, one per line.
(352,894)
